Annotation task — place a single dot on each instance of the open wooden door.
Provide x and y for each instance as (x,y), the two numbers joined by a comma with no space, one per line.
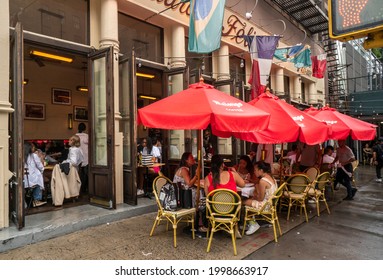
(16,159)
(102,189)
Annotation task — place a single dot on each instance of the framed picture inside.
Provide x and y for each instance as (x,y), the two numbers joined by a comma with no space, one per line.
(80,113)
(34,111)
(61,96)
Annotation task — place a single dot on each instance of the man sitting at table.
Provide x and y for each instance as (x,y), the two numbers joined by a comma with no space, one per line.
(262,192)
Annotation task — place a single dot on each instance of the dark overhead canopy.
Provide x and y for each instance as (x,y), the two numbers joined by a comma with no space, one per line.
(306,13)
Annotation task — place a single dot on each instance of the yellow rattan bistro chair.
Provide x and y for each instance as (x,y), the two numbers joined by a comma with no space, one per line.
(268,212)
(173,217)
(223,213)
(317,190)
(295,193)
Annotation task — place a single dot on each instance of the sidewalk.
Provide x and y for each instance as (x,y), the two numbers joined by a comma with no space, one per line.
(124,234)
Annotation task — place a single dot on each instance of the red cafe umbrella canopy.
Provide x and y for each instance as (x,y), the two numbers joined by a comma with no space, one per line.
(341,125)
(200,105)
(287,123)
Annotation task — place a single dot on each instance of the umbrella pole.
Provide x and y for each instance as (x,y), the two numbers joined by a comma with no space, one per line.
(199,167)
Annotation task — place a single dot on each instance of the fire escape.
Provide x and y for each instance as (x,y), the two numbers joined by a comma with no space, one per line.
(311,15)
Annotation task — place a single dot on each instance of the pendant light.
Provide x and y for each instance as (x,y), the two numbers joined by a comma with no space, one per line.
(84,87)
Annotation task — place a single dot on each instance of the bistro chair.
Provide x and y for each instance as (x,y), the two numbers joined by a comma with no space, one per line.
(173,217)
(317,190)
(295,193)
(268,212)
(223,213)
(312,173)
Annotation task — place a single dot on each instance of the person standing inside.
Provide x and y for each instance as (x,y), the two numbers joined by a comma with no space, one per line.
(345,156)
(84,147)
(377,157)
(308,156)
(33,177)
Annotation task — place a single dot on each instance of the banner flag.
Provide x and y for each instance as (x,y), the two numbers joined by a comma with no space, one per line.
(318,65)
(205,28)
(262,49)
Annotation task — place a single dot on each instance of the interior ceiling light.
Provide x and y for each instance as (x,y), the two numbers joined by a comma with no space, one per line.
(82,88)
(143,75)
(51,56)
(147,97)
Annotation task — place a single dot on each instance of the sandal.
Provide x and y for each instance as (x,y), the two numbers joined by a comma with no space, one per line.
(202,229)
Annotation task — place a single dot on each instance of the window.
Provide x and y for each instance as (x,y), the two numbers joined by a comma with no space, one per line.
(67,20)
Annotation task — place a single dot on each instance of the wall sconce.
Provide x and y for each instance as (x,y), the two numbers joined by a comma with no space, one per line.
(70,121)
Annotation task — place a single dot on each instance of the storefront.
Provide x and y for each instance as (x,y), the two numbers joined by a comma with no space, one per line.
(128,54)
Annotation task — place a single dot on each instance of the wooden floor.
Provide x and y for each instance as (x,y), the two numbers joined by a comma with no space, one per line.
(82,199)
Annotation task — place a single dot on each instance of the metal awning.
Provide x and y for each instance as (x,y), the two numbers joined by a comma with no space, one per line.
(305,12)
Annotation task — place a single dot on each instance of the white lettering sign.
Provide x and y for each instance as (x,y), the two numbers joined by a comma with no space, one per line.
(298,118)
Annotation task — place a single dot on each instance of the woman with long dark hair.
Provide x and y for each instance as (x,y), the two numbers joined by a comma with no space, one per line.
(245,169)
(182,174)
(33,176)
(220,178)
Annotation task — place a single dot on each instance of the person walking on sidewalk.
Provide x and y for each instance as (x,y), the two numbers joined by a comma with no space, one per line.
(377,157)
(345,156)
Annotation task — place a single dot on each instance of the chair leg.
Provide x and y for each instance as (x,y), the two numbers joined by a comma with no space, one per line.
(325,202)
(233,239)
(193,231)
(317,203)
(155,224)
(303,205)
(175,234)
(211,237)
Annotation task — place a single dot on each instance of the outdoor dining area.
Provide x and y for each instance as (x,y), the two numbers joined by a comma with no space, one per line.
(299,194)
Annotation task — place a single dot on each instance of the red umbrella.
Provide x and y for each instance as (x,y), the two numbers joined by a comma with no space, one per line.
(287,124)
(341,125)
(200,105)
(197,107)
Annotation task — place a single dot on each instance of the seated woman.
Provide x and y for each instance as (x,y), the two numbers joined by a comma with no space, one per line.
(33,177)
(262,192)
(182,176)
(245,169)
(367,154)
(75,156)
(219,178)
(65,182)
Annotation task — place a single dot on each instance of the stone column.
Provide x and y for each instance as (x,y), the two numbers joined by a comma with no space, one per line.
(177,51)
(108,38)
(312,92)
(5,110)
(178,47)
(279,80)
(296,94)
(223,66)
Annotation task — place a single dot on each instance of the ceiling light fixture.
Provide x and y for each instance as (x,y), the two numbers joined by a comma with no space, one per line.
(83,87)
(51,56)
(147,97)
(143,75)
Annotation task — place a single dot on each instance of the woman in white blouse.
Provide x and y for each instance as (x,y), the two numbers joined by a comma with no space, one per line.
(75,156)
(33,176)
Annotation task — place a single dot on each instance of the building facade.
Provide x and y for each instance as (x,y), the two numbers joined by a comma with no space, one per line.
(127,53)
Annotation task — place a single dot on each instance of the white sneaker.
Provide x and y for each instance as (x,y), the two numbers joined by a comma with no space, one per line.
(140,192)
(254,226)
(379,180)
(311,200)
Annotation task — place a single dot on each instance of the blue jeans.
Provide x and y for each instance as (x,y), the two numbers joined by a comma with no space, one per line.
(37,192)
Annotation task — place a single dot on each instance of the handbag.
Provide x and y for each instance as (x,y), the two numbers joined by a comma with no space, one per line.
(186,198)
